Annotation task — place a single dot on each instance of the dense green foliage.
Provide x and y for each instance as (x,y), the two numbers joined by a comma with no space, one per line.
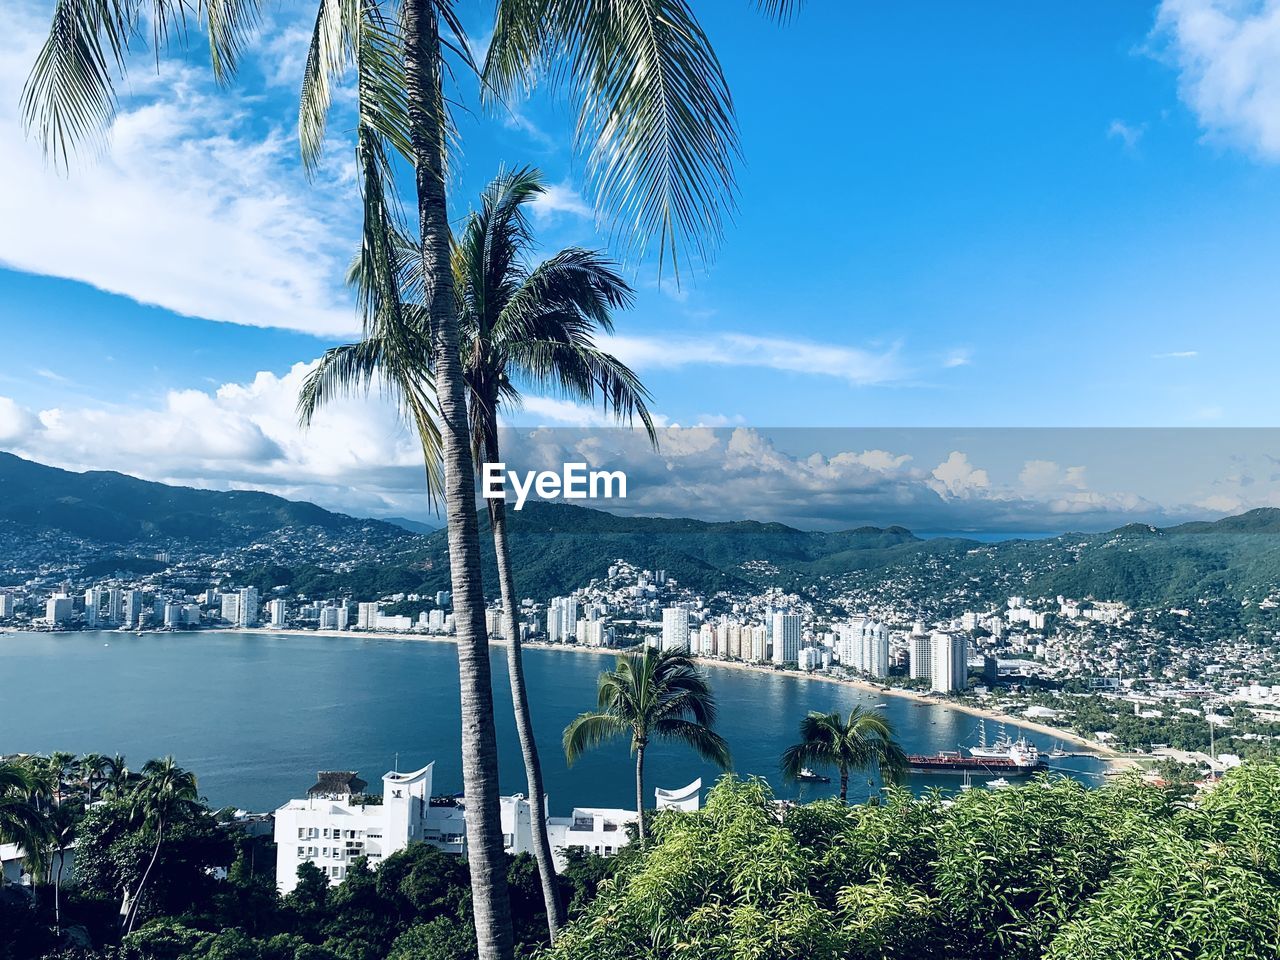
(1049,870)
(1046,871)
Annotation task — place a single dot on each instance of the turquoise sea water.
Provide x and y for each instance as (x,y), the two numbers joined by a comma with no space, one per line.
(255,715)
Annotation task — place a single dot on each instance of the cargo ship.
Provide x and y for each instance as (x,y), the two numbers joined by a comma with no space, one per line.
(1020,760)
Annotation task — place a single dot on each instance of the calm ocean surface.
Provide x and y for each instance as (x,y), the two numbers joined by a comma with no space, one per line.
(256,715)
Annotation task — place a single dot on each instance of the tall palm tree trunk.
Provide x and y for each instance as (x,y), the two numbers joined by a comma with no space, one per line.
(485,857)
(640,745)
(132,915)
(844,784)
(57,893)
(524,718)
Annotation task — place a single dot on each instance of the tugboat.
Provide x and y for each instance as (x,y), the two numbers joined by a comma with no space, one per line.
(808,776)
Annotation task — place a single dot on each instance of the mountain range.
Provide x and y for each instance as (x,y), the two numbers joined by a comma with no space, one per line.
(558,547)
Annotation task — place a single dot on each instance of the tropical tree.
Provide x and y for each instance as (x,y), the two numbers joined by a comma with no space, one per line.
(532,327)
(654,694)
(20,820)
(862,740)
(165,793)
(655,119)
(61,824)
(119,779)
(92,769)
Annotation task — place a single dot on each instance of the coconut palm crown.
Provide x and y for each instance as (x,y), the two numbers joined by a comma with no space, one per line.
(862,740)
(651,695)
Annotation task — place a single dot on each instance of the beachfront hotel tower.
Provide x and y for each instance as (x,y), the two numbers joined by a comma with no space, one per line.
(675,628)
(950,662)
(786,637)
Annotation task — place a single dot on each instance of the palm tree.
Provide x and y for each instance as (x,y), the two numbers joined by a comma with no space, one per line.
(20,820)
(165,794)
(533,327)
(92,769)
(655,119)
(61,824)
(651,694)
(119,778)
(864,739)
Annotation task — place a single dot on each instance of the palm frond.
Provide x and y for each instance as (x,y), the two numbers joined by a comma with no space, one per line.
(703,740)
(353,33)
(342,371)
(590,730)
(69,97)
(231,22)
(780,10)
(655,118)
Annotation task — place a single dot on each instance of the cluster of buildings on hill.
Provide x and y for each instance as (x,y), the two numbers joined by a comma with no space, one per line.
(337,822)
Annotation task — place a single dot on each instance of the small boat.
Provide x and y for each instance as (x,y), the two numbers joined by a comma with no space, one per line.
(968,783)
(999,783)
(809,776)
(1057,752)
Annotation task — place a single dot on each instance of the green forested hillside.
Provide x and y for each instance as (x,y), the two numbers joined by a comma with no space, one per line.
(558,547)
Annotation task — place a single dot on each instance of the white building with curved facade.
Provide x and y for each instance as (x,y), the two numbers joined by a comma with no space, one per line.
(330,828)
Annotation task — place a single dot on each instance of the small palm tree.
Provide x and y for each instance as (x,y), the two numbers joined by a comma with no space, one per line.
(165,794)
(20,820)
(863,740)
(92,770)
(652,694)
(61,824)
(119,779)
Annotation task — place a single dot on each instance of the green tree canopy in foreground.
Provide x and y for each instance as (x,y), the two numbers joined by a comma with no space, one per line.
(1049,870)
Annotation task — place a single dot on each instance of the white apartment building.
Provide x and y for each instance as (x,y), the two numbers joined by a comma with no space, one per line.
(329,830)
(247,607)
(920,666)
(675,628)
(6,605)
(562,619)
(863,645)
(132,608)
(367,616)
(59,608)
(950,662)
(174,615)
(786,637)
(279,611)
(230,607)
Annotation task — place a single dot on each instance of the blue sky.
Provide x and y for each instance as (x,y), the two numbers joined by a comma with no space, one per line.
(950,215)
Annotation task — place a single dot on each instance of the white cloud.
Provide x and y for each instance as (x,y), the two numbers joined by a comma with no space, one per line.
(1228,56)
(957,477)
(857,366)
(560,198)
(358,457)
(199,205)
(959,357)
(1176,355)
(1127,133)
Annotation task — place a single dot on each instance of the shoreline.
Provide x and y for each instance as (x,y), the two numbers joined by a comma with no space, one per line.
(1102,751)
